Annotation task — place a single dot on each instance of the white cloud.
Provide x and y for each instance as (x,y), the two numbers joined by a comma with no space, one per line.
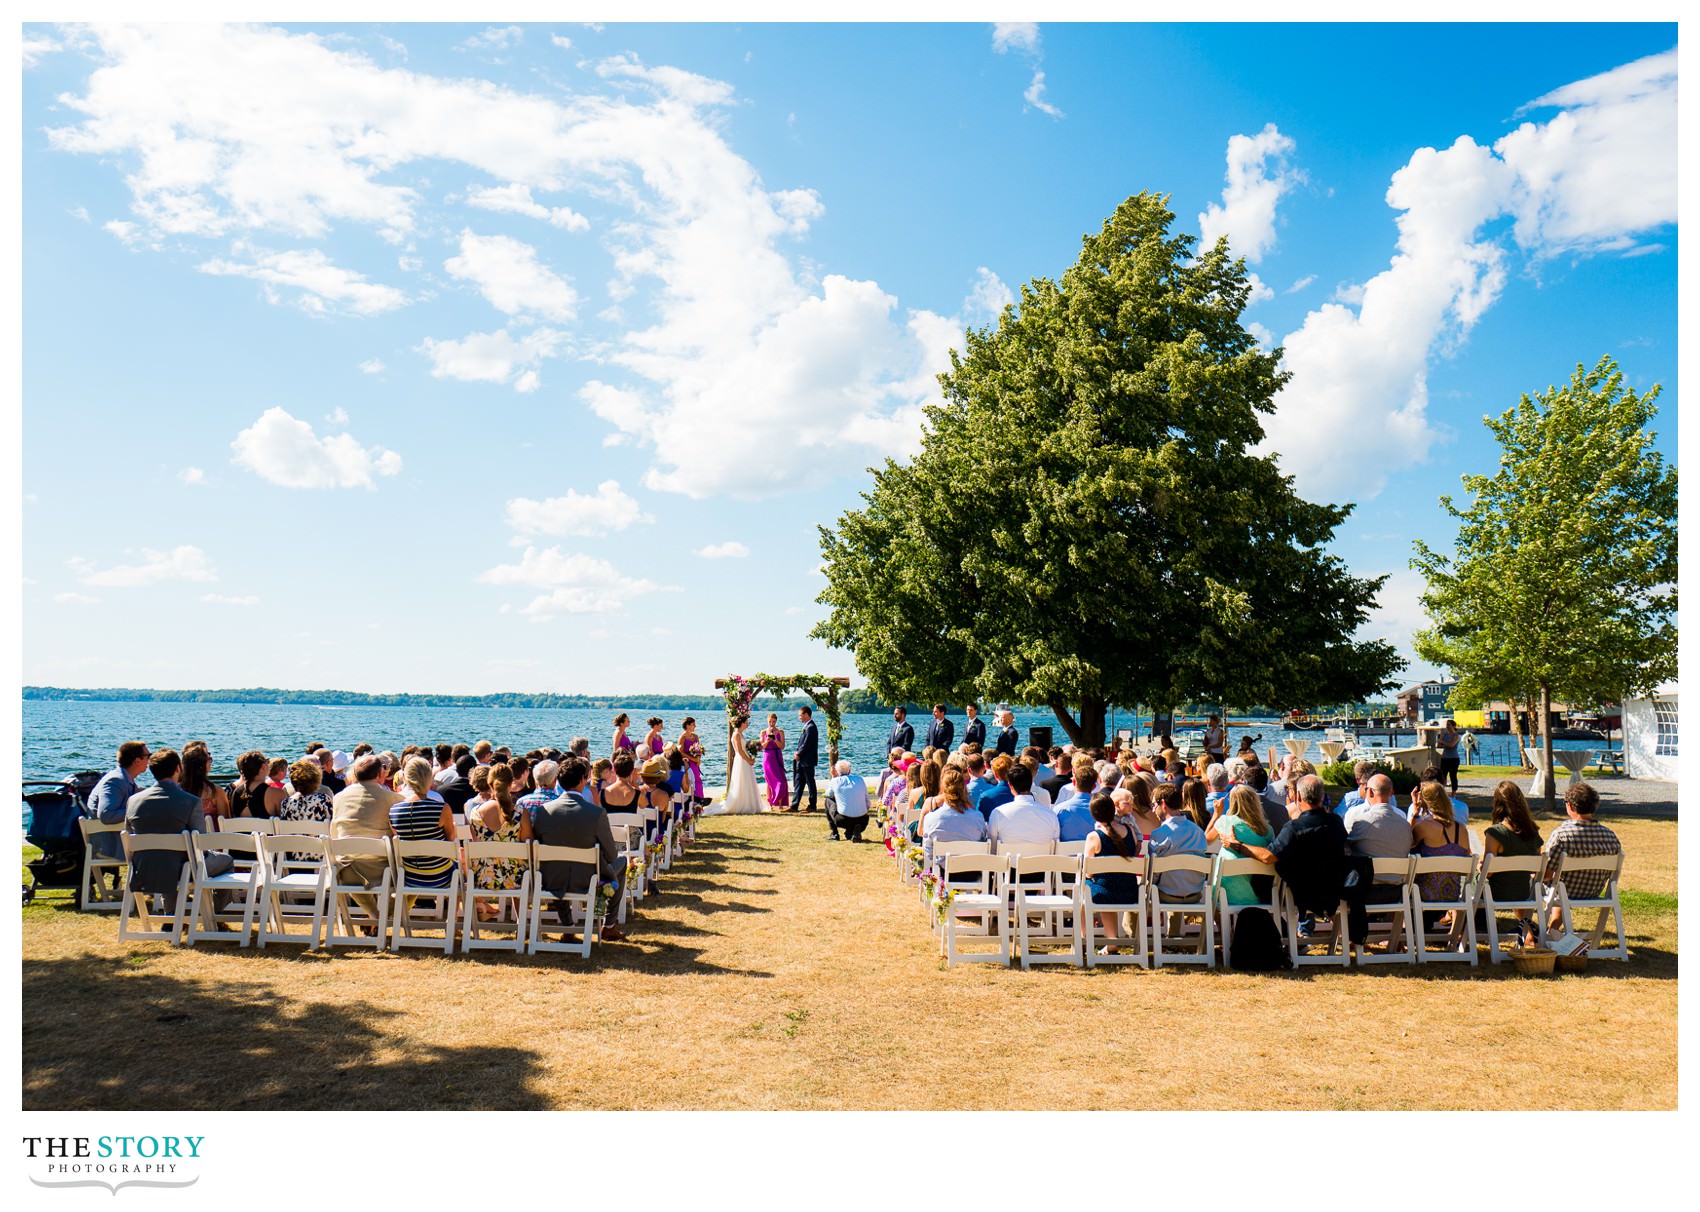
(317,283)
(1035,95)
(74,599)
(392,45)
(372,366)
(1258,174)
(561,41)
(37,47)
(517,200)
(495,38)
(1017,35)
(1301,284)
(494,357)
(126,231)
(987,297)
(730,550)
(1260,290)
(192,476)
(577,513)
(283,450)
(337,416)
(578,583)
(80,212)
(225,599)
(1365,372)
(511,278)
(184,563)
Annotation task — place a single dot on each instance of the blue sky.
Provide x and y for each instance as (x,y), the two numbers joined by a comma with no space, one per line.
(466,358)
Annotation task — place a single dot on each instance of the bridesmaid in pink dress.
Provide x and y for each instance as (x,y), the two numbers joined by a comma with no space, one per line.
(773,763)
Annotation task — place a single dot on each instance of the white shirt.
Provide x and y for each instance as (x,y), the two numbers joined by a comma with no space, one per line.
(1041,796)
(1023,819)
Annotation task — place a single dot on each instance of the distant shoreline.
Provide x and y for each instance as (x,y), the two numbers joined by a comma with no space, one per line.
(272,697)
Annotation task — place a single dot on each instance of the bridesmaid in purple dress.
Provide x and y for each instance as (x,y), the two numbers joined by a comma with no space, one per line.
(773,763)
(690,744)
(621,740)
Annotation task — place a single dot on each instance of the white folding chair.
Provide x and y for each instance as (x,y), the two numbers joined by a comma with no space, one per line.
(1606,902)
(654,841)
(91,894)
(406,921)
(1535,901)
(247,824)
(1463,905)
(942,852)
(1227,865)
(628,841)
(988,901)
(1163,911)
(1334,937)
(581,906)
(514,900)
(1131,948)
(353,906)
(246,876)
(301,827)
(1077,849)
(680,823)
(291,887)
(1394,915)
(142,902)
(1052,902)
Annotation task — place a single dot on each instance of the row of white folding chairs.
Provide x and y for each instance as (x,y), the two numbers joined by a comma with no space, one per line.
(282,880)
(1055,886)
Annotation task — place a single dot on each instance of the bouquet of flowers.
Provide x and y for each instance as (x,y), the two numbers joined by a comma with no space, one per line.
(634,868)
(892,837)
(941,903)
(604,898)
(917,858)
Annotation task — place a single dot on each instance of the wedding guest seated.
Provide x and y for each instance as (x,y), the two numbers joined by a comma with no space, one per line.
(421,814)
(1195,803)
(1243,823)
(574,819)
(1274,811)
(307,801)
(1432,774)
(1074,811)
(1178,833)
(545,773)
(1375,829)
(1021,818)
(1512,834)
(1111,836)
(1434,834)
(1216,778)
(166,808)
(996,790)
(1310,851)
(1039,794)
(1580,836)
(362,809)
(1138,802)
(1059,775)
(846,803)
(955,819)
(498,819)
(111,795)
(618,794)
(457,790)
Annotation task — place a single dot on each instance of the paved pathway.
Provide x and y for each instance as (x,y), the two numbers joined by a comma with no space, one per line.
(1619,796)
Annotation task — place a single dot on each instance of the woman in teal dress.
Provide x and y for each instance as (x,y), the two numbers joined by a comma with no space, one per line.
(1245,824)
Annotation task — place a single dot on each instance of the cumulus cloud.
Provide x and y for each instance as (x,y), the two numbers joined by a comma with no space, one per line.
(372,366)
(494,357)
(1562,182)
(225,599)
(987,297)
(511,278)
(577,513)
(730,550)
(517,200)
(192,476)
(37,47)
(184,563)
(309,279)
(283,450)
(577,583)
(1015,35)
(1258,174)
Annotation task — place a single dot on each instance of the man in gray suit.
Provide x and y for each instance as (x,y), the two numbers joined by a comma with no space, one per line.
(166,808)
(574,819)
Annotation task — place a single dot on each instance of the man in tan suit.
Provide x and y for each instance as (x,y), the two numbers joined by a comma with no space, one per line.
(362,809)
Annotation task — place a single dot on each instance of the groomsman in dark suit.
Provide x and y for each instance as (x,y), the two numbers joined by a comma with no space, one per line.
(941,732)
(1009,737)
(975,732)
(902,732)
(808,753)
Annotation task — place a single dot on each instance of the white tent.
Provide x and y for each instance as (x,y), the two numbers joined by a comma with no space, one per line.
(1650,734)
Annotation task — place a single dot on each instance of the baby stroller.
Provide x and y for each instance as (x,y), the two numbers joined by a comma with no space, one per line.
(55,808)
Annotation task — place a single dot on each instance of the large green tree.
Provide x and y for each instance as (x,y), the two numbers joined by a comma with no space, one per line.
(1563,575)
(1084,524)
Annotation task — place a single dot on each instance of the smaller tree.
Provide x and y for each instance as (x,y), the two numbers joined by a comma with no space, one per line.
(1563,577)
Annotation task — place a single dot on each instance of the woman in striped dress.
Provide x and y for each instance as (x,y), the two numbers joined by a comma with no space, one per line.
(422,815)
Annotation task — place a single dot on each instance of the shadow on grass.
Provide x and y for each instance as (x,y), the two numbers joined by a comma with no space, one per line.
(100,1035)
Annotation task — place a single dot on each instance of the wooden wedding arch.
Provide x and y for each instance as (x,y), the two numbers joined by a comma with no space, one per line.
(740,690)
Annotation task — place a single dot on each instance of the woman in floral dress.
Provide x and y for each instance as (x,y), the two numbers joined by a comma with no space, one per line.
(497,819)
(307,802)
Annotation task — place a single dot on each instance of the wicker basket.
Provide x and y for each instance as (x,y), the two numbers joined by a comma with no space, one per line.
(1534,961)
(1573,963)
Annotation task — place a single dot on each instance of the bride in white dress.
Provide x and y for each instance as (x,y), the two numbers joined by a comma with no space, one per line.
(741,794)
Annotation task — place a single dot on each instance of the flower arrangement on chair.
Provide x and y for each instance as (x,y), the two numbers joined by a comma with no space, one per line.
(605,897)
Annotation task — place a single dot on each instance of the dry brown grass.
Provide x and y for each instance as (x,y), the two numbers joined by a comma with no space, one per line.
(777,971)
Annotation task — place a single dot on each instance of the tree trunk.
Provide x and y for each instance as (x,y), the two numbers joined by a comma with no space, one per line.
(1088,731)
(1517,731)
(1546,741)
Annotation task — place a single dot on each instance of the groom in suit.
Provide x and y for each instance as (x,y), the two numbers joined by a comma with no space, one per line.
(941,732)
(808,753)
(1008,737)
(975,732)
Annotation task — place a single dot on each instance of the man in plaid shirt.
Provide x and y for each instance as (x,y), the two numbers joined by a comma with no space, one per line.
(1581,837)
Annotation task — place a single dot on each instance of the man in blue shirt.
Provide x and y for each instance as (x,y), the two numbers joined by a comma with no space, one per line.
(991,793)
(1074,812)
(547,774)
(846,803)
(1177,834)
(111,796)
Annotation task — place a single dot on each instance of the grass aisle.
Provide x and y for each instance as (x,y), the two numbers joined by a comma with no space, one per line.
(777,970)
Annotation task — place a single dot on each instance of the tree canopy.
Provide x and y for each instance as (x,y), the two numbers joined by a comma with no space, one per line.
(1085,524)
(1563,575)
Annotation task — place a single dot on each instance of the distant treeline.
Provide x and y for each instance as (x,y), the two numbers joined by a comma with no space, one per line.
(850,702)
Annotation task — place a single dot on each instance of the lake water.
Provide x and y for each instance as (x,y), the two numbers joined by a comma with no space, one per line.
(60,738)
